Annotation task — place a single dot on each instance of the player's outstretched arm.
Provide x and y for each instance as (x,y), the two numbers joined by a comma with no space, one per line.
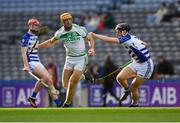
(48,43)
(90,40)
(106,38)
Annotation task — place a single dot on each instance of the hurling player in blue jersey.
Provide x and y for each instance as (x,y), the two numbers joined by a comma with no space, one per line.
(32,62)
(142,66)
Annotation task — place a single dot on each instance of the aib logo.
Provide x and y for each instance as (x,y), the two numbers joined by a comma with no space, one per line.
(8,96)
(144,92)
(95,96)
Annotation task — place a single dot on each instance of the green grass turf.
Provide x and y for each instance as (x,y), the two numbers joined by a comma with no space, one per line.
(90,114)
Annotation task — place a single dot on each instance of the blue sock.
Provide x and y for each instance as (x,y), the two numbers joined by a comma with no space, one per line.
(34,94)
(58,102)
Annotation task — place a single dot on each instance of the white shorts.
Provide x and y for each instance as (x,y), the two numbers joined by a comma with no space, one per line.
(76,63)
(34,64)
(143,70)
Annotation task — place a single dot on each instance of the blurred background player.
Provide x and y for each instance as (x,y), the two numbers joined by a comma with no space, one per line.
(142,66)
(164,67)
(73,36)
(52,70)
(108,84)
(32,62)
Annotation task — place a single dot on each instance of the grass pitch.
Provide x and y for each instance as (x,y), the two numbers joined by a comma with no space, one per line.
(90,114)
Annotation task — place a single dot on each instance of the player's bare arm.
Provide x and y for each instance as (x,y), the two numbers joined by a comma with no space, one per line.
(106,38)
(48,43)
(24,57)
(90,40)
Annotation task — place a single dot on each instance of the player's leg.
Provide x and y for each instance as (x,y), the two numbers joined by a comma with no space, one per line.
(78,69)
(122,78)
(66,74)
(32,98)
(36,89)
(134,96)
(124,75)
(137,81)
(144,71)
(42,73)
(74,79)
(67,71)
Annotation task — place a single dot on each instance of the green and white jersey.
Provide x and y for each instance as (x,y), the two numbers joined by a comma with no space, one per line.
(73,40)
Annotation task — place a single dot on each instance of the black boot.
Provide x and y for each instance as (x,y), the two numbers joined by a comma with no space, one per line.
(32,102)
(134,105)
(125,95)
(66,105)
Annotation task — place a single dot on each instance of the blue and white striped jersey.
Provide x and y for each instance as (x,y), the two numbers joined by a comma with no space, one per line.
(135,47)
(28,40)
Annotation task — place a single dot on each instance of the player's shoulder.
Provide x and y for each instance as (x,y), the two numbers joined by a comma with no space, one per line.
(80,30)
(76,25)
(79,27)
(135,38)
(125,38)
(60,30)
(25,39)
(26,36)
